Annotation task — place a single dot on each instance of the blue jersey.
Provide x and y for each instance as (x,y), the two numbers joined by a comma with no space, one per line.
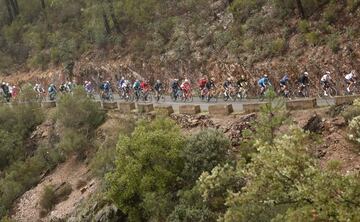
(263,82)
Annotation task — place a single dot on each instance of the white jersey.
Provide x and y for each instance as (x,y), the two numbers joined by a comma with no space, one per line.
(349,76)
(325,78)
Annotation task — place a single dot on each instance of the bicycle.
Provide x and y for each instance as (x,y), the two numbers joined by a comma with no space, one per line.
(107,96)
(303,91)
(176,94)
(330,90)
(212,94)
(187,96)
(146,96)
(230,94)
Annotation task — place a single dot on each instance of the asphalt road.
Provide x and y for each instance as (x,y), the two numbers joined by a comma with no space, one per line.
(237,105)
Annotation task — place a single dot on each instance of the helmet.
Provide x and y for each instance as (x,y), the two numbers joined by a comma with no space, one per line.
(306,73)
(86,82)
(242,76)
(229,79)
(108,81)
(158,81)
(265,76)
(212,79)
(186,80)
(122,78)
(176,80)
(328,72)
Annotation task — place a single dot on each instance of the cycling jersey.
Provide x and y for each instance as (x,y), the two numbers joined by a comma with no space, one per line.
(136,85)
(158,86)
(349,76)
(242,83)
(226,84)
(175,85)
(263,82)
(202,83)
(209,85)
(325,78)
(284,80)
(304,79)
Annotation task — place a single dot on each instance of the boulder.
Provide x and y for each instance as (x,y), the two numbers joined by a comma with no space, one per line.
(126,107)
(299,104)
(189,109)
(145,107)
(221,109)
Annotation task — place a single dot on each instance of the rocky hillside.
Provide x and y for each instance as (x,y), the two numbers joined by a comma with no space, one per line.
(190,38)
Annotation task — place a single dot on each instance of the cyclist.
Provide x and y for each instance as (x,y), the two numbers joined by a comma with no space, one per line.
(120,86)
(186,88)
(175,88)
(202,83)
(52,91)
(304,82)
(89,88)
(145,88)
(6,91)
(106,90)
(350,80)
(263,84)
(227,87)
(158,88)
(210,86)
(137,88)
(283,85)
(325,82)
(242,84)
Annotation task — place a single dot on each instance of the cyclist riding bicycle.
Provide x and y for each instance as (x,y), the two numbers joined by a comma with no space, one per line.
(202,84)
(186,88)
(283,85)
(89,87)
(137,88)
(263,83)
(6,91)
(106,90)
(325,82)
(158,87)
(227,86)
(304,82)
(52,92)
(350,80)
(175,88)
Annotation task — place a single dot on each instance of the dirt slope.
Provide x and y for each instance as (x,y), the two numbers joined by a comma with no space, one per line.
(27,208)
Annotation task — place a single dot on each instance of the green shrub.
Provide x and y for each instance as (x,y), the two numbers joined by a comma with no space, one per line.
(48,198)
(304,26)
(243,9)
(313,38)
(333,43)
(276,47)
(78,111)
(148,165)
(330,13)
(352,5)
(354,129)
(351,111)
(204,151)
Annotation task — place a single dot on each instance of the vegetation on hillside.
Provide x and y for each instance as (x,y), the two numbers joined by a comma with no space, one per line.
(43,32)
(22,166)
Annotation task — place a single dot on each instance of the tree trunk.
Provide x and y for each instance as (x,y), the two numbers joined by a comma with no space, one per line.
(114,18)
(43,6)
(300,8)
(106,23)
(8,7)
(14,7)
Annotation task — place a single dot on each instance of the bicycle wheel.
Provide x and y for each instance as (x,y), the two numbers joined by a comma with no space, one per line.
(332,91)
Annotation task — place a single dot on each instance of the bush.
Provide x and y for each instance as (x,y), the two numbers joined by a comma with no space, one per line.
(304,26)
(331,12)
(313,38)
(148,165)
(276,47)
(333,43)
(48,198)
(243,9)
(352,5)
(354,129)
(204,151)
(351,111)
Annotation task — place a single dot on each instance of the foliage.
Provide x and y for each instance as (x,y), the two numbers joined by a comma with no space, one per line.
(313,38)
(243,9)
(48,198)
(304,26)
(354,129)
(203,152)
(352,111)
(333,43)
(80,116)
(148,166)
